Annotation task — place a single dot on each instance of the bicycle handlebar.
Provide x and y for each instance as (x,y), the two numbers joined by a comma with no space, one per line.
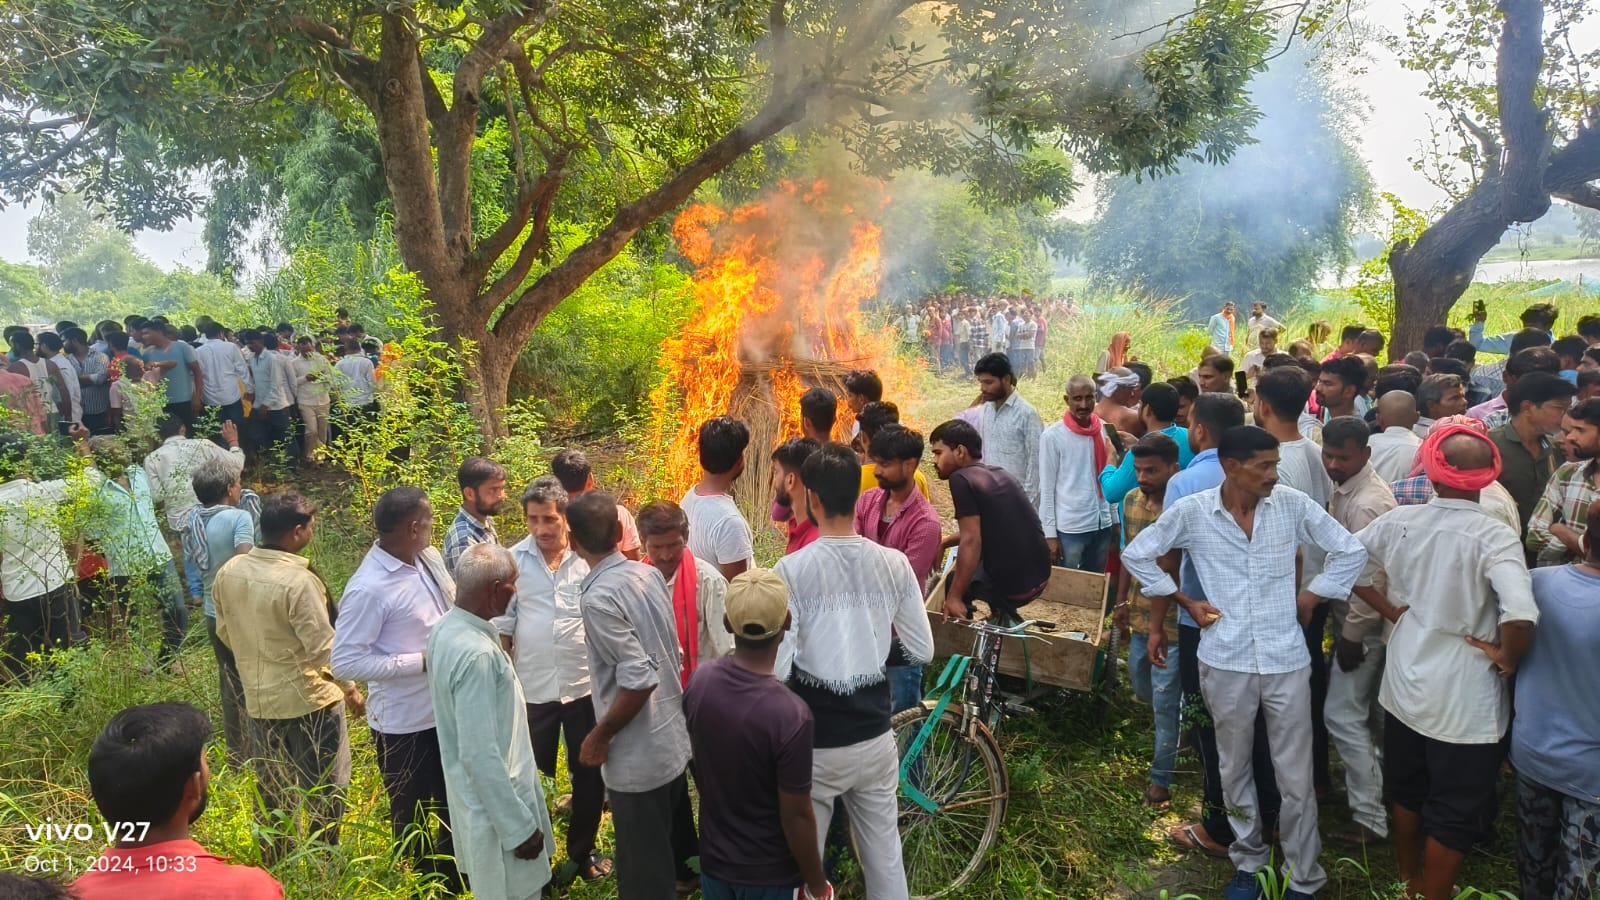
(1019,630)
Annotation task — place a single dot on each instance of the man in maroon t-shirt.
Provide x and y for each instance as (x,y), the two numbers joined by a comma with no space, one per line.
(148,776)
(752,749)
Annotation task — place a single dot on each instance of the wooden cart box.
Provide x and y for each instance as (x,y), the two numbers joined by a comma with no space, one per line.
(1074,600)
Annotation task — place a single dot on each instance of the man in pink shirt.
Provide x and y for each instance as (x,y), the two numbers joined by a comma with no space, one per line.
(896,515)
(148,776)
(18,394)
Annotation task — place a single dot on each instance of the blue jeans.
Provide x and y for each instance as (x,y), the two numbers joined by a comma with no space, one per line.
(712,889)
(905,687)
(191,575)
(1161,689)
(1088,551)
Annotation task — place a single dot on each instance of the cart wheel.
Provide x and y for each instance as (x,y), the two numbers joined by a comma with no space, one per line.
(962,772)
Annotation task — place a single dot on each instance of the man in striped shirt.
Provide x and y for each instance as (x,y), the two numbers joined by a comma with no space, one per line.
(1556,528)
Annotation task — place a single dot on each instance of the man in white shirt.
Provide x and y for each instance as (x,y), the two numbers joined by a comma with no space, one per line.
(543,628)
(389,605)
(1009,425)
(1242,538)
(358,384)
(718,534)
(1360,496)
(272,381)
(1258,322)
(34,568)
(699,592)
(225,375)
(1076,519)
(1395,446)
(1461,601)
(1256,360)
(847,597)
(171,468)
(1280,397)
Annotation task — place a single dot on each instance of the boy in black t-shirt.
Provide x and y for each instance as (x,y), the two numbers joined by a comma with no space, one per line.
(1003,559)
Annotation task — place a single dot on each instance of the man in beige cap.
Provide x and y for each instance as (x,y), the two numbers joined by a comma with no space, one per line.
(752,748)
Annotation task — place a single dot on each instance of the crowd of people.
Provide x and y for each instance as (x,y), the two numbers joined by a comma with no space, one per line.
(283,390)
(1314,497)
(952,331)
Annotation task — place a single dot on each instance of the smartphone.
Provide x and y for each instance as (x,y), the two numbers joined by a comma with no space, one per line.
(1241,384)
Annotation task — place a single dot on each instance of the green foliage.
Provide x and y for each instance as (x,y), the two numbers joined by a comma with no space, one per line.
(1261,227)
(1455,44)
(1374,287)
(591,363)
(424,426)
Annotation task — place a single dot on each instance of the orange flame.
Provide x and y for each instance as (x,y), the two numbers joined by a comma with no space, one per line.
(777,282)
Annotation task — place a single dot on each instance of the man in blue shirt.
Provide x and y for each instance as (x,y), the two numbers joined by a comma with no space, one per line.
(1220,329)
(1211,416)
(1541,316)
(1158,412)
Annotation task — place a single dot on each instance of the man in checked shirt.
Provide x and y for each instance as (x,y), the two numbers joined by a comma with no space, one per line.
(1252,654)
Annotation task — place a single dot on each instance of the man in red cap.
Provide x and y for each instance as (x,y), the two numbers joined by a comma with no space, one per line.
(1461,601)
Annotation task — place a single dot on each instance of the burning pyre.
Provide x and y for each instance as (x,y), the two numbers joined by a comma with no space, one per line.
(780,286)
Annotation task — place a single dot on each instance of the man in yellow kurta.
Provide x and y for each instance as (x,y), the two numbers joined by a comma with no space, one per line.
(497,806)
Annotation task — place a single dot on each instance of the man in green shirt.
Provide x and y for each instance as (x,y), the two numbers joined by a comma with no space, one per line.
(1538,402)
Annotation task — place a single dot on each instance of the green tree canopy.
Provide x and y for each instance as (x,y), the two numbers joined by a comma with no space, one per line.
(495,119)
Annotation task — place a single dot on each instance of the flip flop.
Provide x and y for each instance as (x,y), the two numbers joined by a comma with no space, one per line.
(1151,801)
(597,868)
(1184,838)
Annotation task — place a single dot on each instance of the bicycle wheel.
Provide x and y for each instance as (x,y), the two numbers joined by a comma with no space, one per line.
(965,776)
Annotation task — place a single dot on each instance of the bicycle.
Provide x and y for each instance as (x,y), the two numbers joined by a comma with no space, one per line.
(953,784)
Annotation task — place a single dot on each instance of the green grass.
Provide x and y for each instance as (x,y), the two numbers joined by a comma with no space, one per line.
(1541,251)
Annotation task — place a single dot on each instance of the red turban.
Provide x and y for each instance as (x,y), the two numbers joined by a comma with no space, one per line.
(1442,474)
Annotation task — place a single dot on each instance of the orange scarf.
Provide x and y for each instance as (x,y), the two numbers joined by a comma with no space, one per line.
(1117,353)
(1442,474)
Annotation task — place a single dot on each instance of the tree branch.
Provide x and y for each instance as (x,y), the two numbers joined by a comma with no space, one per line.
(541,201)
(530,306)
(1586,195)
(490,47)
(354,68)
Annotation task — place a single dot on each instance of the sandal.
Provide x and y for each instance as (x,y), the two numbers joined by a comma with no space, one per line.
(1155,801)
(596,868)
(1188,837)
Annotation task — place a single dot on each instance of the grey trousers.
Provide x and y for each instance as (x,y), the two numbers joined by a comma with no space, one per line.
(303,758)
(1285,702)
(641,823)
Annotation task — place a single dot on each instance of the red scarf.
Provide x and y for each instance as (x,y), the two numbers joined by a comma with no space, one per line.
(685,612)
(1442,474)
(1096,429)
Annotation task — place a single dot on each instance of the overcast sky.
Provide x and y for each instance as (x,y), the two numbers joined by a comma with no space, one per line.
(1392,130)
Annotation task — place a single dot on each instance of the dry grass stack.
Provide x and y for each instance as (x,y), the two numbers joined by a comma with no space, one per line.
(767,401)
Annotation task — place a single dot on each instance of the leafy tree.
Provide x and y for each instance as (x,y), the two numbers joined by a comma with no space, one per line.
(23,294)
(1521,130)
(605,116)
(1260,227)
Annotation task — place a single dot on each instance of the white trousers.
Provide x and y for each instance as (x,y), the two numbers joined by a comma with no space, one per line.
(866,776)
(1352,696)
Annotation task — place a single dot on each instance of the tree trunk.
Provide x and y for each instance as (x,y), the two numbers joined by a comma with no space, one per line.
(1432,274)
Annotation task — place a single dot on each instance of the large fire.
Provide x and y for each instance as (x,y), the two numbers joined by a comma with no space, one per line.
(780,285)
